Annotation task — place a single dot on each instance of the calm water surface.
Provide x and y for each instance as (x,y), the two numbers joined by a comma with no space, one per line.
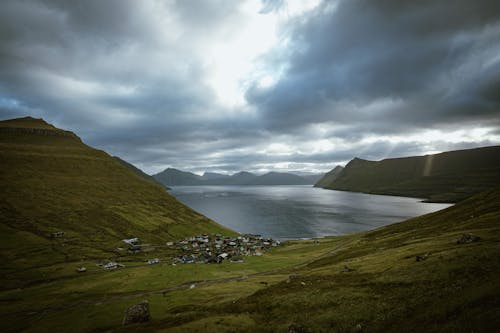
(298,211)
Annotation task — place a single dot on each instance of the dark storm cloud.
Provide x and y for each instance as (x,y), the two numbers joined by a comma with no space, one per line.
(131,77)
(113,71)
(436,60)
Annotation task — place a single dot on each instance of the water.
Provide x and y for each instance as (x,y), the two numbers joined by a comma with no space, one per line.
(298,211)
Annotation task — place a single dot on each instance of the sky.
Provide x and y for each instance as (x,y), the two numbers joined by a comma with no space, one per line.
(256,85)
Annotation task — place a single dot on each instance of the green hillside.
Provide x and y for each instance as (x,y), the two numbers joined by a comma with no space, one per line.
(413,276)
(446,177)
(52,182)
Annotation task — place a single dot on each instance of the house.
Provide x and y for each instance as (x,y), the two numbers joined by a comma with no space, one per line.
(110,265)
(153,261)
(131,241)
(223,255)
(134,248)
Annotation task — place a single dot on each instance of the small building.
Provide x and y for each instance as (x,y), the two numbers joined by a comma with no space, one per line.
(131,241)
(110,265)
(153,261)
(223,255)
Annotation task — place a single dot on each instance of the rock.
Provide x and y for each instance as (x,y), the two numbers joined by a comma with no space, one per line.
(468,238)
(347,269)
(138,313)
(422,257)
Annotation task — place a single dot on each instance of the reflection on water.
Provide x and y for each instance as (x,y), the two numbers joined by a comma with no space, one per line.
(298,211)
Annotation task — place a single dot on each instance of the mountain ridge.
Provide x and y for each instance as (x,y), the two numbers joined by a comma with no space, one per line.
(445,177)
(175,177)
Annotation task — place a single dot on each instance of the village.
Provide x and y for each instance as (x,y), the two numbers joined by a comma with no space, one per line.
(217,248)
(201,249)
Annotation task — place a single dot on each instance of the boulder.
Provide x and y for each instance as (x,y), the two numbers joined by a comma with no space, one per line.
(468,238)
(138,313)
(422,257)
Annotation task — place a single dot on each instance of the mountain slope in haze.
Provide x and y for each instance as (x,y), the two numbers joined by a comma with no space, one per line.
(52,182)
(213,175)
(278,178)
(174,177)
(329,177)
(445,177)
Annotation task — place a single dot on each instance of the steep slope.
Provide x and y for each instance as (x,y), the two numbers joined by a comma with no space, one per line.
(329,177)
(137,171)
(52,182)
(447,177)
(174,177)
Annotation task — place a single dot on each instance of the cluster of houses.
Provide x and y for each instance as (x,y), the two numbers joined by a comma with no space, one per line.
(204,249)
(217,248)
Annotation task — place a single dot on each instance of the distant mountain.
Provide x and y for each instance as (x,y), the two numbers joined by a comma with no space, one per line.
(240,178)
(213,175)
(312,179)
(445,177)
(174,177)
(52,183)
(138,171)
(329,177)
(277,178)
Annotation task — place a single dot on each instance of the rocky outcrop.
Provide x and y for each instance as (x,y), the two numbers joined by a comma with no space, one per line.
(138,313)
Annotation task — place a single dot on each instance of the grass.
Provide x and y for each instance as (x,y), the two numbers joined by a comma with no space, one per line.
(302,283)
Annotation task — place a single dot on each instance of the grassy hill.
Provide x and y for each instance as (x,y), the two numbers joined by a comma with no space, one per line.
(446,177)
(52,182)
(414,276)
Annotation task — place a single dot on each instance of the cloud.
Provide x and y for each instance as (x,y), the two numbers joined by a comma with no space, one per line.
(417,64)
(142,80)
